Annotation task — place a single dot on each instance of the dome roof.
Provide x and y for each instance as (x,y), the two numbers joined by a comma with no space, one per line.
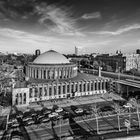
(51,57)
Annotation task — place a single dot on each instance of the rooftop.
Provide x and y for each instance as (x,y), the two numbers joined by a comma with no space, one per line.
(79,77)
(51,57)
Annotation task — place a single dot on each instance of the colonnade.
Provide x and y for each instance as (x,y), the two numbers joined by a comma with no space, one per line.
(20,98)
(51,73)
(62,90)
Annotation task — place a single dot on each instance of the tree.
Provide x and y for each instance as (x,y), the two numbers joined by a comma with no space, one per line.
(95,65)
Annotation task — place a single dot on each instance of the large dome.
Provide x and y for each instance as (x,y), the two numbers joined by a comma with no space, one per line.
(51,57)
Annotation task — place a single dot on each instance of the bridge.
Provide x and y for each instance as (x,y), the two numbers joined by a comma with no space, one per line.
(122,83)
(113,75)
(129,82)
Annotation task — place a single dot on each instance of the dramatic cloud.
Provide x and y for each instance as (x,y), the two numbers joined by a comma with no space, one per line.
(56,19)
(95,15)
(121,30)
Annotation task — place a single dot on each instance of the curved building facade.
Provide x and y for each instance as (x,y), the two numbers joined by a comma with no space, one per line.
(51,65)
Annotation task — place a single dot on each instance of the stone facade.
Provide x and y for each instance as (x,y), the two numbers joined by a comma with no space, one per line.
(50,72)
(55,90)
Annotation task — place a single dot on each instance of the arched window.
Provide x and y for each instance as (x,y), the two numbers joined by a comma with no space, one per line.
(30,92)
(36,91)
(24,98)
(20,98)
(54,90)
(16,100)
(37,73)
(44,74)
(45,90)
(59,89)
(50,91)
(63,89)
(92,86)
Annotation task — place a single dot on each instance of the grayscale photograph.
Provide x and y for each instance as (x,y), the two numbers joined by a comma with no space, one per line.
(69,69)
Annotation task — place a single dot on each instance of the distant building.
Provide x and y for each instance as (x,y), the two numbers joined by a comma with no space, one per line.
(52,76)
(111,63)
(76,50)
(138,51)
(37,52)
(132,61)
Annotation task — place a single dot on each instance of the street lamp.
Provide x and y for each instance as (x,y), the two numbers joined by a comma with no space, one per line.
(119,73)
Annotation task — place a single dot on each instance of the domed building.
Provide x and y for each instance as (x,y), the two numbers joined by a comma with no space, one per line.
(52,76)
(51,65)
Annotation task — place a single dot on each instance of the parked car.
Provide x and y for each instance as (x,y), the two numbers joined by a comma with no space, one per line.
(53,114)
(15,124)
(58,110)
(43,120)
(27,118)
(29,122)
(45,112)
(78,111)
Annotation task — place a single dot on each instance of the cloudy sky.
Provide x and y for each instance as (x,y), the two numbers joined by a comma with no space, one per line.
(92,25)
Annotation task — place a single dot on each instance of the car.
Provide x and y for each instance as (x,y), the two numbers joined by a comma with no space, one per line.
(27,118)
(58,110)
(78,110)
(16,137)
(53,114)
(40,117)
(29,122)
(45,112)
(15,124)
(43,120)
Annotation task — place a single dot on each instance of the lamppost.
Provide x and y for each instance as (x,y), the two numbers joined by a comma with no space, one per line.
(118,115)
(119,73)
(118,80)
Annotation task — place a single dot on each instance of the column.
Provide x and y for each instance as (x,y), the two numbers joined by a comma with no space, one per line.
(42,73)
(57,89)
(61,90)
(47,90)
(58,73)
(82,84)
(97,85)
(101,85)
(65,88)
(39,73)
(70,87)
(90,85)
(74,86)
(104,85)
(31,73)
(93,82)
(23,98)
(33,92)
(52,90)
(35,72)
(28,71)
(77,86)
(68,72)
(46,73)
(43,92)
(86,86)
(62,73)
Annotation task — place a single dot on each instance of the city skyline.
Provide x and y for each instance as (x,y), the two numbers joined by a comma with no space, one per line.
(92,25)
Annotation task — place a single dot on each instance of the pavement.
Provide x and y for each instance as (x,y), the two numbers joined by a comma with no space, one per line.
(90,99)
